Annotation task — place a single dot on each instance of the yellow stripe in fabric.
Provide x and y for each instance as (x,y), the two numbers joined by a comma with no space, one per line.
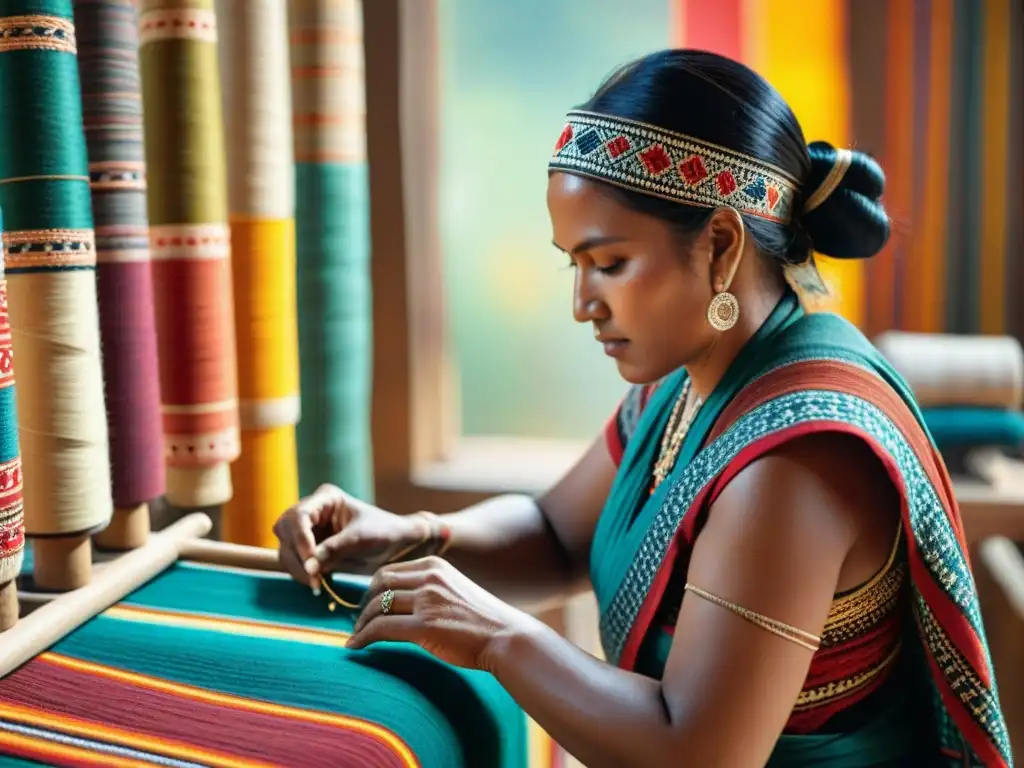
(228,626)
(996,100)
(45,748)
(235,702)
(539,745)
(86,729)
(812,77)
(927,272)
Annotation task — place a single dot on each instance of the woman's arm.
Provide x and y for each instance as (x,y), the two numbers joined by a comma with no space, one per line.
(515,544)
(775,542)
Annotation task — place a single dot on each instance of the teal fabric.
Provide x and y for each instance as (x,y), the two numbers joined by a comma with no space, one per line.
(621,543)
(451,718)
(966,427)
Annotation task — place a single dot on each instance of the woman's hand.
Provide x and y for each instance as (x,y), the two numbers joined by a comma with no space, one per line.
(430,603)
(330,530)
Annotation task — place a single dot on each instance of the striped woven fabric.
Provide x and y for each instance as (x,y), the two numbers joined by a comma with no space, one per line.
(261,196)
(190,244)
(332,225)
(48,243)
(221,667)
(12,510)
(112,107)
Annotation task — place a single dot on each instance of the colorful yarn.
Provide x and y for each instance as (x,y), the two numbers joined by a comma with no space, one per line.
(51,261)
(261,196)
(112,107)
(190,243)
(12,510)
(332,225)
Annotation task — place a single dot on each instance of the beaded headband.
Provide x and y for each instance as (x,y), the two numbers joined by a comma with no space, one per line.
(673,166)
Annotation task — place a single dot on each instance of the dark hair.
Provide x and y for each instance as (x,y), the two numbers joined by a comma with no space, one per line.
(721,101)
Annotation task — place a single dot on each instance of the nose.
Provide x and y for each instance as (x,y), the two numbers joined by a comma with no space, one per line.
(587,303)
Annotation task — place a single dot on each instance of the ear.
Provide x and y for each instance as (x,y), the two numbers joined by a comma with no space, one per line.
(728,238)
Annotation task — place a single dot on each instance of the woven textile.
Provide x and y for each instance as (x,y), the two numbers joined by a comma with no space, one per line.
(261,193)
(190,243)
(12,511)
(112,107)
(332,225)
(49,247)
(216,667)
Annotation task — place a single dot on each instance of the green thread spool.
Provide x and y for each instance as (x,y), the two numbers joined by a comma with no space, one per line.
(51,261)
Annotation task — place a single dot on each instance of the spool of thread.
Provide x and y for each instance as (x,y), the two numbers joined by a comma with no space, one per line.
(261,200)
(190,247)
(12,509)
(51,289)
(112,107)
(948,369)
(332,232)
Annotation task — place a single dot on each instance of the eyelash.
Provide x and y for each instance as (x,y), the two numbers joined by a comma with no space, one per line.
(611,270)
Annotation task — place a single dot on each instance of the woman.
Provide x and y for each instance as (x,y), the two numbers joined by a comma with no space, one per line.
(777,556)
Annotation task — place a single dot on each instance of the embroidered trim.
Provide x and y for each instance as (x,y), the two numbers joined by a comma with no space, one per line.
(837,689)
(49,249)
(192,242)
(10,481)
(670,165)
(39,32)
(178,24)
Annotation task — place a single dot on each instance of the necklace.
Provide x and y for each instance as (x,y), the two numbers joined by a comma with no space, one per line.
(683,413)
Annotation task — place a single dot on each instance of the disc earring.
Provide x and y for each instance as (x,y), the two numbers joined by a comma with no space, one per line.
(723,311)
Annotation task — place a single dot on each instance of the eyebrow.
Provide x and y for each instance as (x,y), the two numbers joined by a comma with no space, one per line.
(590,243)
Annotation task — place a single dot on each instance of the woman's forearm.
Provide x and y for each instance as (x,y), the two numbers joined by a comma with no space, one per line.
(604,716)
(506,545)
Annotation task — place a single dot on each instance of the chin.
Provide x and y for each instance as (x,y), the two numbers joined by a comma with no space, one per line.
(635,374)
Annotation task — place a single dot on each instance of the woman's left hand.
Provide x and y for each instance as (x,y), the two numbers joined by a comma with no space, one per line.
(432,604)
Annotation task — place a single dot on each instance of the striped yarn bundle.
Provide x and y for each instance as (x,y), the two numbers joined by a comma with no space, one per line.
(332,226)
(12,510)
(49,247)
(190,245)
(112,107)
(261,199)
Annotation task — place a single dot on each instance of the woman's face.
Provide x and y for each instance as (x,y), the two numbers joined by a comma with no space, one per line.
(644,292)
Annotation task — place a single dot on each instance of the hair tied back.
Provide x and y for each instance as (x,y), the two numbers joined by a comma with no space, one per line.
(841,164)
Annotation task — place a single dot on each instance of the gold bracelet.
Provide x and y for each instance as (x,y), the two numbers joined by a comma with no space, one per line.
(785,631)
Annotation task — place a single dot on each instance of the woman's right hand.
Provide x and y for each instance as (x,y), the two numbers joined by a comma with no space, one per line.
(330,531)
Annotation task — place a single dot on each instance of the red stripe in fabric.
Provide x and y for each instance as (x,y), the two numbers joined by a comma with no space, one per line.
(250,735)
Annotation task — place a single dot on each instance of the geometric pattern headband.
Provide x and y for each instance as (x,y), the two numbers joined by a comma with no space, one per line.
(664,164)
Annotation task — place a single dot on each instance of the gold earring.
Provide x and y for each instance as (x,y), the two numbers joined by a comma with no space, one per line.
(723,311)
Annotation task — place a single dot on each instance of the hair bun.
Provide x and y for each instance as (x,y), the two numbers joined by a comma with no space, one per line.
(851,222)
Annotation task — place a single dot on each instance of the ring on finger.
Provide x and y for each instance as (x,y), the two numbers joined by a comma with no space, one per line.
(387,599)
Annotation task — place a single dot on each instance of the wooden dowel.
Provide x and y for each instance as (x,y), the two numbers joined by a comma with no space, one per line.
(49,623)
(128,529)
(231,555)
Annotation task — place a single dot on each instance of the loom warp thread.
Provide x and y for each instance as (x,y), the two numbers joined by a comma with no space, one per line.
(112,107)
(261,197)
(190,244)
(49,247)
(332,226)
